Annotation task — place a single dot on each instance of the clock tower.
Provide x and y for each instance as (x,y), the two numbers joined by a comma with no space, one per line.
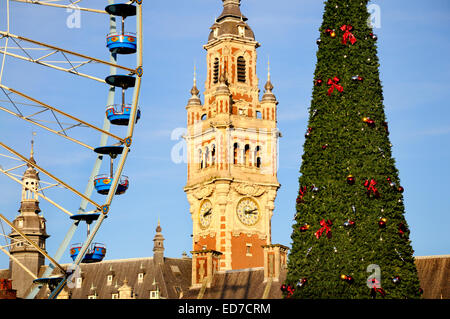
(232,144)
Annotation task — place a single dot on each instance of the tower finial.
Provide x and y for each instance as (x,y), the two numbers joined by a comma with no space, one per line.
(194,90)
(33,134)
(195,74)
(268,69)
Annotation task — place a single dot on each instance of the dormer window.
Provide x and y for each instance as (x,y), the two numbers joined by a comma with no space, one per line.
(241,69)
(78,282)
(216,32)
(241,30)
(109,280)
(140,278)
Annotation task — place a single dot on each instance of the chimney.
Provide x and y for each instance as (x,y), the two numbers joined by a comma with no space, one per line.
(205,263)
(275,259)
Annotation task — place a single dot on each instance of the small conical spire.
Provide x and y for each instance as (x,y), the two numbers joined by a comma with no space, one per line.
(158,228)
(268,94)
(269,85)
(194,90)
(195,98)
(32,150)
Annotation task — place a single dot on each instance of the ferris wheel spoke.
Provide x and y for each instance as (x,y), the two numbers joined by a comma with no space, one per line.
(32,243)
(31,163)
(54,109)
(38,192)
(66,6)
(28,56)
(18,262)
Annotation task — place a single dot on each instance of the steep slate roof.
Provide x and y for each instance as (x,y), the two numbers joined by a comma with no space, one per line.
(240,284)
(434,276)
(95,275)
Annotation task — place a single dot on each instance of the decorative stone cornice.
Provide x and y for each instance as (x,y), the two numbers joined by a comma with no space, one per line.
(249,189)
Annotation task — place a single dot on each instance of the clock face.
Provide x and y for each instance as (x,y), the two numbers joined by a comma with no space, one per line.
(205,214)
(248,211)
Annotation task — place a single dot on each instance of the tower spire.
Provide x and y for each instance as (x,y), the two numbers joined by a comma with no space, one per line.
(195,98)
(32,149)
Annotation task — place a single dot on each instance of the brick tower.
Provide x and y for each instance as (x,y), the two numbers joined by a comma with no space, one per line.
(232,144)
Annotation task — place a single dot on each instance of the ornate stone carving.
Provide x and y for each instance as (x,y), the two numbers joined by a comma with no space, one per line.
(249,190)
(203,192)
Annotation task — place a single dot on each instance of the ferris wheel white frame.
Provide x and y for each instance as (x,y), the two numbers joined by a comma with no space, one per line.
(105,133)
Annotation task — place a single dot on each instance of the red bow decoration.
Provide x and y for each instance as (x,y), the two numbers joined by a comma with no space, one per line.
(301,193)
(376,288)
(326,227)
(334,85)
(402,229)
(289,289)
(371,187)
(347,34)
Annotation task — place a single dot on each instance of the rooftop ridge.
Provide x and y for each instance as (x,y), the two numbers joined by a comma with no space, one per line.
(432,256)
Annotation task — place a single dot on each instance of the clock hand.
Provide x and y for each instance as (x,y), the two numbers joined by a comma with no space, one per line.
(207,213)
(253,211)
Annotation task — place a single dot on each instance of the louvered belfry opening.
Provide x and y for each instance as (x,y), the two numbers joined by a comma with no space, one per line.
(241,69)
(216,70)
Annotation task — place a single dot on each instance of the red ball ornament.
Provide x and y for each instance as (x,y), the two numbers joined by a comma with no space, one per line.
(347,278)
(324,147)
(308,132)
(350,179)
(382,222)
(318,82)
(357,78)
(304,228)
(369,121)
(401,189)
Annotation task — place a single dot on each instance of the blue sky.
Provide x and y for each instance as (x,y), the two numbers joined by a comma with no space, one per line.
(413,41)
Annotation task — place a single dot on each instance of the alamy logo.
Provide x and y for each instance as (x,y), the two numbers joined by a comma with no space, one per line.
(73,21)
(375,16)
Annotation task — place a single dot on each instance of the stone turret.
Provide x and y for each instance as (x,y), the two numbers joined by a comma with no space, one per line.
(158,246)
(32,224)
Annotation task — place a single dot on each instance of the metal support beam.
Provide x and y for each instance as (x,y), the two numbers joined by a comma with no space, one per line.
(36,192)
(32,243)
(69,6)
(61,112)
(23,158)
(18,262)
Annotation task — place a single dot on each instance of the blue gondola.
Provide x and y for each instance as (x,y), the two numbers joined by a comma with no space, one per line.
(95,254)
(120,115)
(102,184)
(121,43)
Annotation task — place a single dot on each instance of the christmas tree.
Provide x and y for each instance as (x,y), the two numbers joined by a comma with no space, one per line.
(350,237)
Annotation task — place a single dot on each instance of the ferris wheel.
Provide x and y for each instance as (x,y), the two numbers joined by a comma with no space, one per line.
(114,137)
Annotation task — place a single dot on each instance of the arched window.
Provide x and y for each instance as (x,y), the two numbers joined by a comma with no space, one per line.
(200,158)
(258,115)
(216,70)
(206,157)
(247,155)
(241,69)
(213,155)
(204,117)
(258,156)
(235,153)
